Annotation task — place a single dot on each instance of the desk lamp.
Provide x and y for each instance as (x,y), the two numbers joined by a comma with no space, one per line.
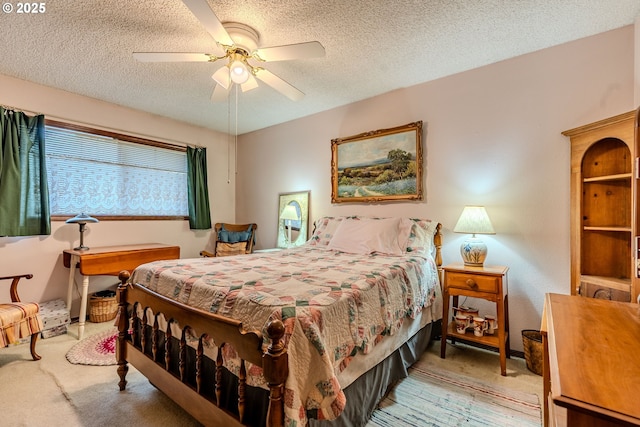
(81,219)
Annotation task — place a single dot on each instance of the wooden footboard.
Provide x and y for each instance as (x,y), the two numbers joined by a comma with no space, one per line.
(151,350)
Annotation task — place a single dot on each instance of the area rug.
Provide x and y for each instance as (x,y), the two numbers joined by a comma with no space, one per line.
(427,398)
(98,349)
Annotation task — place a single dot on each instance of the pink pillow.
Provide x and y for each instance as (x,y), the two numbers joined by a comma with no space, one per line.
(367,235)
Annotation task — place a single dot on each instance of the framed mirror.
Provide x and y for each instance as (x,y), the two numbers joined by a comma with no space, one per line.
(293,219)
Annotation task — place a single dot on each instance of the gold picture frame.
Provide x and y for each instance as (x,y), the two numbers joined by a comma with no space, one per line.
(377,166)
(299,228)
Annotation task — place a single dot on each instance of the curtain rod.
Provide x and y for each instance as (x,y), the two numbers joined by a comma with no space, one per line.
(93,125)
(19,110)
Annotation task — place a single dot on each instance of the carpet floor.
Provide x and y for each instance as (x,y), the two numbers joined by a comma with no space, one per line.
(55,392)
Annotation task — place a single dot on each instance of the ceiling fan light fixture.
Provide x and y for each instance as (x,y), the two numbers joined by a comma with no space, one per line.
(222,77)
(235,45)
(239,72)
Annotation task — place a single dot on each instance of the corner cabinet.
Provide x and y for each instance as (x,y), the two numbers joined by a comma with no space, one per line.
(603,223)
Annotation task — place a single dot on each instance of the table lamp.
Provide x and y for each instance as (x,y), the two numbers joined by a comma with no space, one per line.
(81,219)
(289,213)
(474,220)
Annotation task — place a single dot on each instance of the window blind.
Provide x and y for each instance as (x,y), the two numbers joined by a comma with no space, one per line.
(102,175)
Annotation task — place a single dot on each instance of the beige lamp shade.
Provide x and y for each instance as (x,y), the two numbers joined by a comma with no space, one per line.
(474,220)
(289,212)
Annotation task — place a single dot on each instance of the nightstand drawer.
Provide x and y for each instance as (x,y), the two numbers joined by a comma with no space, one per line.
(474,282)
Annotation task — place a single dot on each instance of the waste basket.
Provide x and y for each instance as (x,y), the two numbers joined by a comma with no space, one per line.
(532,343)
(103,306)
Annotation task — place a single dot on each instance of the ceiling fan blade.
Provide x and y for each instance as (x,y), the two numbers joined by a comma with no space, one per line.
(291,51)
(222,77)
(170,57)
(220,94)
(202,11)
(250,84)
(280,85)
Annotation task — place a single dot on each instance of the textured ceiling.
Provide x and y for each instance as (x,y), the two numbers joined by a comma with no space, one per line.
(372,47)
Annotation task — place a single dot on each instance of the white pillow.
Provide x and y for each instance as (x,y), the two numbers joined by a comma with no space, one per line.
(366,235)
(421,236)
(324,229)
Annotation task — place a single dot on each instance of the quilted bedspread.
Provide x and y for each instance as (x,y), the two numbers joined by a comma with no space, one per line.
(333,305)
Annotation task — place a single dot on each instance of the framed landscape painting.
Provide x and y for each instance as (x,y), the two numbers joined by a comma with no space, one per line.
(376,166)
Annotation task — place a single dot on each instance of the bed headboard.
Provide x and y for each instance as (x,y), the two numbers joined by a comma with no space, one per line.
(437,243)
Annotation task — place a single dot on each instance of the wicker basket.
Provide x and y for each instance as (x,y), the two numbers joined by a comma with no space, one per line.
(532,343)
(103,306)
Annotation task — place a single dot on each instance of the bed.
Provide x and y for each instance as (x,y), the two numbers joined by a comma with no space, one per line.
(312,335)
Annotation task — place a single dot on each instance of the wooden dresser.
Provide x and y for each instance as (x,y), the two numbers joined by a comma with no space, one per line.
(591,372)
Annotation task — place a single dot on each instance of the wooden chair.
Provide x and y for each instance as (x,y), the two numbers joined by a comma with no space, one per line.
(19,319)
(231,239)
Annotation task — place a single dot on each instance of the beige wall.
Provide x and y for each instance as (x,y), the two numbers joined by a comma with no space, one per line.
(42,255)
(493,137)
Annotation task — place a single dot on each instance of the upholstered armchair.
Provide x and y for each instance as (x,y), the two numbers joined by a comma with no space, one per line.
(19,319)
(231,239)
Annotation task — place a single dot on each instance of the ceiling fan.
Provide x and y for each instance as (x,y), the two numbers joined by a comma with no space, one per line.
(237,44)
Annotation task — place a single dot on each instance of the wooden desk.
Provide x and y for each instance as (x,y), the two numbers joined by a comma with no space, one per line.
(109,261)
(591,349)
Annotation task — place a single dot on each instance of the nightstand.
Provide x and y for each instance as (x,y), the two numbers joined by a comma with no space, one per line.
(489,283)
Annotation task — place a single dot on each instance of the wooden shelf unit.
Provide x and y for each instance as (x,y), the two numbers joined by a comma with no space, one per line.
(603,222)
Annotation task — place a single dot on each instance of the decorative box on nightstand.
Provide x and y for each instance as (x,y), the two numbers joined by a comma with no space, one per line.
(489,283)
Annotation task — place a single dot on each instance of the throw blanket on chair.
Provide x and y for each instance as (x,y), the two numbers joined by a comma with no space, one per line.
(18,320)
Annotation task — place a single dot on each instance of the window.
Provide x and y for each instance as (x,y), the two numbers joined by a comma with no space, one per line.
(106,174)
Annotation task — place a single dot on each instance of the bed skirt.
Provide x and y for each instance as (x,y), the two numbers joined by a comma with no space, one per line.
(362,395)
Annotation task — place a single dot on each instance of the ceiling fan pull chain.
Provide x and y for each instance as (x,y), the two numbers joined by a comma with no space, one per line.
(235,148)
(229,137)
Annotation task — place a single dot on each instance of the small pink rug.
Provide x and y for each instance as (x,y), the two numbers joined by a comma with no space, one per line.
(99,350)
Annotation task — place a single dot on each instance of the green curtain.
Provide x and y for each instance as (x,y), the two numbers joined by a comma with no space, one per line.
(199,214)
(24,194)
